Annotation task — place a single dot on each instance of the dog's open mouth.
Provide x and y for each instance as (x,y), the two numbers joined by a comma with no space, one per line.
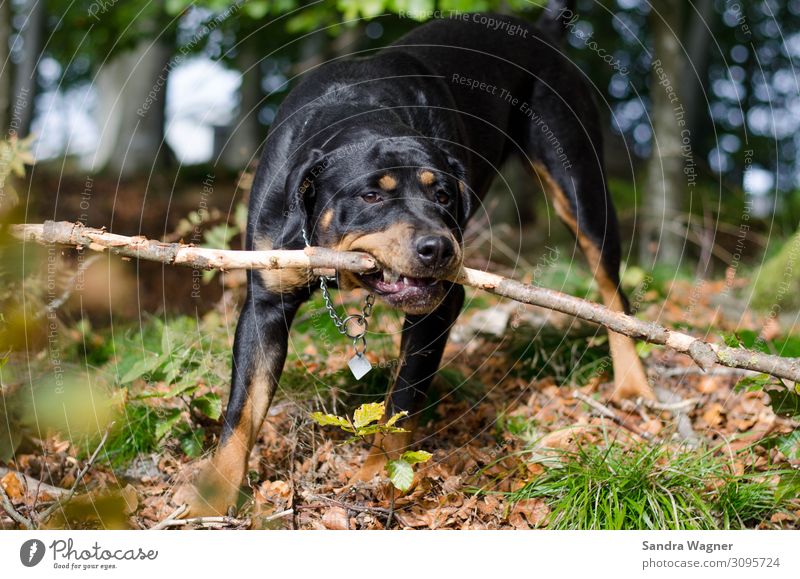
(387,282)
(412,294)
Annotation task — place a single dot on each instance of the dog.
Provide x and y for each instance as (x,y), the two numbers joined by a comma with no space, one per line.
(389,155)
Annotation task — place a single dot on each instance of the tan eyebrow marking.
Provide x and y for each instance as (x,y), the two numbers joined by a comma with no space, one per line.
(427,178)
(387,182)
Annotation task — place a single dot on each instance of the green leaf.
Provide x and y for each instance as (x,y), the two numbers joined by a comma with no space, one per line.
(753,383)
(192,442)
(143,366)
(368,413)
(166,421)
(784,402)
(331,420)
(401,474)
(789,445)
(186,386)
(209,404)
(415,456)
(375,428)
(788,487)
(396,417)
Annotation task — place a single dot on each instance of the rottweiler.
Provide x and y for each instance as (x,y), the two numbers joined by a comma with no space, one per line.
(390,154)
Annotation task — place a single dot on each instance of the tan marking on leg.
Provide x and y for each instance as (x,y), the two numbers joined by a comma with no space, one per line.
(630,380)
(219,483)
(280,280)
(427,178)
(393,446)
(387,183)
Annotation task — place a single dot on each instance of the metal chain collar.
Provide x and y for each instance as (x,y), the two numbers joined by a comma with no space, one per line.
(358,364)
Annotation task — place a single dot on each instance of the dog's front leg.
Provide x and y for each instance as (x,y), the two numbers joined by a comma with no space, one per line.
(259,352)
(421,349)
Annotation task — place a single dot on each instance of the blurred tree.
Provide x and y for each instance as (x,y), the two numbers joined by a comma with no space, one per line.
(5,65)
(666,183)
(124,50)
(26,50)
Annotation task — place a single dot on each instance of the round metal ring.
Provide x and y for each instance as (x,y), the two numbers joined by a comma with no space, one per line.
(360,320)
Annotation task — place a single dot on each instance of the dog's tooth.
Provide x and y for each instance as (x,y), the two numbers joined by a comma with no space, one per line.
(390,276)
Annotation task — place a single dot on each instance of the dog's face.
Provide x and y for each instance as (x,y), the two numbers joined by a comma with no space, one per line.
(400,199)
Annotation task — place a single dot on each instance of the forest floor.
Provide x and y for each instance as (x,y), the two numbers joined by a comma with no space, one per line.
(520,423)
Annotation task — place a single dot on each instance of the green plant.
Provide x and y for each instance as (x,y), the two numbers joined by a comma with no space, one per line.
(784,401)
(649,487)
(166,370)
(367,422)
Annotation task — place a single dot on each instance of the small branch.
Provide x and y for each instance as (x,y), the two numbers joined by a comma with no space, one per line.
(207,522)
(346,506)
(12,512)
(42,518)
(176,514)
(611,415)
(77,235)
(682,406)
(319,260)
(30,482)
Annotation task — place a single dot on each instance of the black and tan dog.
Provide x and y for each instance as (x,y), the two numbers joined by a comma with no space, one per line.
(389,155)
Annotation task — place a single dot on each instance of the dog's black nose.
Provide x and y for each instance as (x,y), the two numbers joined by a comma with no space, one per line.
(435,250)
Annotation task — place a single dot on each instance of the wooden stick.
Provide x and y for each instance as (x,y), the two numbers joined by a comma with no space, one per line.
(318,259)
(77,235)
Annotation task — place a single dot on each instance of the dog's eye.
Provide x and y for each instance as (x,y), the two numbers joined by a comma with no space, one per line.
(442,197)
(371,197)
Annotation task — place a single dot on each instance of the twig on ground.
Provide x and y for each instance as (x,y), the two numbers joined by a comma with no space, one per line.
(347,506)
(56,492)
(205,522)
(12,512)
(320,260)
(673,372)
(174,520)
(611,415)
(170,517)
(681,406)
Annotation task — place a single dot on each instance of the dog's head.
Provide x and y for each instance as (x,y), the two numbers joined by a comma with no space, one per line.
(399,197)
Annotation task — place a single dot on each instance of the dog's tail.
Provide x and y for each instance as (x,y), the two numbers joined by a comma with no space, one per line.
(556,16)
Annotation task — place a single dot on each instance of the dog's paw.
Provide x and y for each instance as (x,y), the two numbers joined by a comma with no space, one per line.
(207,494)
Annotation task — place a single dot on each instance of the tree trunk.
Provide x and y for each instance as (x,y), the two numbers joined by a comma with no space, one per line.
(701,23)
(132,95)
(25,82)
(5,65)
(245,136)
(666,181)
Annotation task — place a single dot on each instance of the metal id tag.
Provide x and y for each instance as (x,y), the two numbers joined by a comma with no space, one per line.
(359,366)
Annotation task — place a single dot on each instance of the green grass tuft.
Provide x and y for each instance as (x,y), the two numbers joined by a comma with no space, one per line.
(648,487)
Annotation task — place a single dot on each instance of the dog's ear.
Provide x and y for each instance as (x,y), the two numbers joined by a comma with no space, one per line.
(459,171)
(300,192)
